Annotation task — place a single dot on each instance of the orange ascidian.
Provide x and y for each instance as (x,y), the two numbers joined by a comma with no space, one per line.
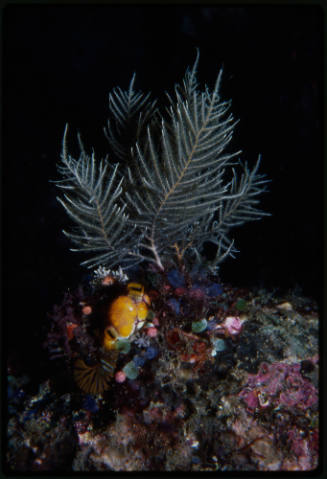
(125,314)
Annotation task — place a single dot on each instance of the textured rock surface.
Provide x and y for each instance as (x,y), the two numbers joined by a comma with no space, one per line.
(240,400)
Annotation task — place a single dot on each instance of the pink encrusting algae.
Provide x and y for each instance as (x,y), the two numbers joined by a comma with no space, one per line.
(282,384)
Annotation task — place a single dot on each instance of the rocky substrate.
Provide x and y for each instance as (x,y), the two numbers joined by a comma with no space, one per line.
(239,394)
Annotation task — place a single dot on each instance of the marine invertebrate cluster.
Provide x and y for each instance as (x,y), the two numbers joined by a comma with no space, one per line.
(192,397)
(174,196)
(175,369)
(166,187)
(92,329)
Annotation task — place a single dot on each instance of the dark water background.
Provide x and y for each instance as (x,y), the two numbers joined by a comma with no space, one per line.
(60,62)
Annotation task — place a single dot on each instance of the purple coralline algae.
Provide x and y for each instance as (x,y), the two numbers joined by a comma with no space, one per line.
(280,384)
(291,438)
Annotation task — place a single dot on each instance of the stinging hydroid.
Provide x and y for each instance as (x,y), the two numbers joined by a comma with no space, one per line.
(167,185)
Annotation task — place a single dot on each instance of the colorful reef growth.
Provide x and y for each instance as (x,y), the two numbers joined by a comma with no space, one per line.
(161,365)
(227,382)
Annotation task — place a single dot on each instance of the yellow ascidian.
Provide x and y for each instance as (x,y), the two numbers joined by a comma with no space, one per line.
(125,314)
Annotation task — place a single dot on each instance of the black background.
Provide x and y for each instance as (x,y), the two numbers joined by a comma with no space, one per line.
(60,62)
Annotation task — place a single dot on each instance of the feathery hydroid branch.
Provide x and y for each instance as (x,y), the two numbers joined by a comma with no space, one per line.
(164,185)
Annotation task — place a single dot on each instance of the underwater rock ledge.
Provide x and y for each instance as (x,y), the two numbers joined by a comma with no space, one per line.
(217,379)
